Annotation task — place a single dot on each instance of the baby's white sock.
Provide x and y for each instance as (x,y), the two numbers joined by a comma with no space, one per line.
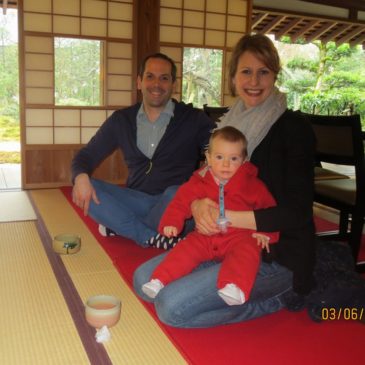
(152,288)
(232,294)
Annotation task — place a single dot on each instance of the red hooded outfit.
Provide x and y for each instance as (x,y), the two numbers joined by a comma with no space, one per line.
(237,249)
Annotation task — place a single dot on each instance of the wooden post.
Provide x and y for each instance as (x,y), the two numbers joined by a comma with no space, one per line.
(147,33)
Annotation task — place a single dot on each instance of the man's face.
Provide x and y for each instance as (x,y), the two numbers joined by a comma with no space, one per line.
(156,84)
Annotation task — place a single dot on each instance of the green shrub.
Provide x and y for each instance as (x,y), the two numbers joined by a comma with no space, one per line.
(9,157)
(9,129)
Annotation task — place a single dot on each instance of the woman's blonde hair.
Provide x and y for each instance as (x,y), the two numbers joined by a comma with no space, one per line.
(259,45)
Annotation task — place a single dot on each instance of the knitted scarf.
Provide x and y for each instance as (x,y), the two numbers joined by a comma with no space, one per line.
(255,122)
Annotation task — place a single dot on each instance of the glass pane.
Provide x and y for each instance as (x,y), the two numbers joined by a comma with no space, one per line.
(77,72)
(202,76)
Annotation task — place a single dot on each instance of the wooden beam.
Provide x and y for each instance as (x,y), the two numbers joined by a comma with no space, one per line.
(258,18)
(147,42)
(346,4)
(5,5)
(358,40)
(317,34)
(304,29)
(287,28)
(351,34)
(271,25)
(331,37)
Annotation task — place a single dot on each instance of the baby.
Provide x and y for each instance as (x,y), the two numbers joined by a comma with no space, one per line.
(227,178)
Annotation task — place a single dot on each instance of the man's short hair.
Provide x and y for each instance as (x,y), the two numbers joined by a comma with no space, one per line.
(163,57)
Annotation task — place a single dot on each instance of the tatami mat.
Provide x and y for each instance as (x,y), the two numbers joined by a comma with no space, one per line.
(137,338)
(15,206)
(35,324)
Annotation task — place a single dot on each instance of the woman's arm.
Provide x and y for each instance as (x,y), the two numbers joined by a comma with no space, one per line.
(242,219)
(205,212)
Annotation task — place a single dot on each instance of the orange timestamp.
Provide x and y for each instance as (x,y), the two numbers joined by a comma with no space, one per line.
(347,314)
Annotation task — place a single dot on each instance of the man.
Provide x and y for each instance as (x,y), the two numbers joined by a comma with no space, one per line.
(162,141)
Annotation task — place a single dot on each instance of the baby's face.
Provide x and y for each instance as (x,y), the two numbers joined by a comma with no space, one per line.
(225,158)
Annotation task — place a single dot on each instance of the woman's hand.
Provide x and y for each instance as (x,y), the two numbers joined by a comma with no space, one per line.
(205,213)
(262,240)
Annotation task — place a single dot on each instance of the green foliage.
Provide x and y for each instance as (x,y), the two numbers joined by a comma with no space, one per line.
(302,64)
(9,157)
(9,89)
(333,82)
(9,129)
(202,74)
(77,72)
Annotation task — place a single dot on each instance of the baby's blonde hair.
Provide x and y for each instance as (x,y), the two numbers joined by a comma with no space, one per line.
(229,134)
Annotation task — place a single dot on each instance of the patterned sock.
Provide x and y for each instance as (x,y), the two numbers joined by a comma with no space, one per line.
(163,242)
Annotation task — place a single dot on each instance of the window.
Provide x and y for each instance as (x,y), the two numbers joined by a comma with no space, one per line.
(202,76)
(77,72)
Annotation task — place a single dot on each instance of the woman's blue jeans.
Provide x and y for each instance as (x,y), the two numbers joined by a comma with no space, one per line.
(129,213)
(192,301)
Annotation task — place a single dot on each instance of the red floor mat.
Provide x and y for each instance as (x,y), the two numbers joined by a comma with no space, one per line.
(282,338)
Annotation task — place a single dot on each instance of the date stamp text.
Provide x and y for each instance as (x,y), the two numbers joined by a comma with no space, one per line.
(347,314)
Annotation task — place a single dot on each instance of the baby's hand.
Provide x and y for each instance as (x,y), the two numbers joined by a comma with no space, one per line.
(262,240)
(170,231)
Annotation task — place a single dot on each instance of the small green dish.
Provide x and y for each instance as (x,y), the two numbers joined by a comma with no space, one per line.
(66,243)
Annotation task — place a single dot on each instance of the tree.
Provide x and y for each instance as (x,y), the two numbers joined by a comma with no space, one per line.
(331,83)
(9,91)
(202,74)
(77,72)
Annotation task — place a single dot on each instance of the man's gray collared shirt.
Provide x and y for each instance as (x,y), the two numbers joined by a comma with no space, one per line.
(149,133)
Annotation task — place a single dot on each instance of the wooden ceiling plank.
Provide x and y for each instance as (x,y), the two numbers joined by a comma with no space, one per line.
(258,18)
(358,40)
(271,25)
(351,34)
(304,29)
(5,6)
(348,4)
(331,37)
(323,29)
(286,29)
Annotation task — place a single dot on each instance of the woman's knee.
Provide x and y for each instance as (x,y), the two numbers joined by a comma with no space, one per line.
(143,274)
(165,307)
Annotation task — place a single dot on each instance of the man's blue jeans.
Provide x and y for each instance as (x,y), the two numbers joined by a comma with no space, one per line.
(192,301)
(129,213)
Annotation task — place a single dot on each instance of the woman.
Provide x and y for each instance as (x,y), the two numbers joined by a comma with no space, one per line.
(281,144)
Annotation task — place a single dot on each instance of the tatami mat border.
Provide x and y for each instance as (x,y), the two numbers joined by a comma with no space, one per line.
(95,351)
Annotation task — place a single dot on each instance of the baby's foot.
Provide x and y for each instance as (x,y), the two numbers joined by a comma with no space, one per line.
(232,294)
(152,288)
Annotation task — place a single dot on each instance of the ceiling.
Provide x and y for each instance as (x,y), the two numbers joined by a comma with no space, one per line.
(341,21)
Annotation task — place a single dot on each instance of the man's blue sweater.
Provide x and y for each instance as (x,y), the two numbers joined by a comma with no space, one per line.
(175,158)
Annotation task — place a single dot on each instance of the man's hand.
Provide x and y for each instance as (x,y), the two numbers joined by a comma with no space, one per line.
(83,192)
(205,213)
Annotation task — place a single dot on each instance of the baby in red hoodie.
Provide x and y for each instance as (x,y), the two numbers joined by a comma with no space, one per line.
(227,178)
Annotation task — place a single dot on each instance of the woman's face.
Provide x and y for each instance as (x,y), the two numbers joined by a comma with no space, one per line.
(253,80)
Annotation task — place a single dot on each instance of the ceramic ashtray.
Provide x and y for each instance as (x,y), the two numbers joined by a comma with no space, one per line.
(66,243)
(102,310)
